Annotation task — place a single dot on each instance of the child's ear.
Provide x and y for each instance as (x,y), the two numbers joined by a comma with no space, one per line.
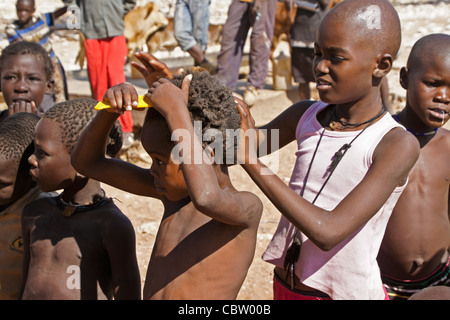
(384,65)
(210,153)
(404,74)
(50,85)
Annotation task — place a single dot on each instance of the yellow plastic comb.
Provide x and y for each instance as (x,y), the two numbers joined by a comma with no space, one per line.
(143,103)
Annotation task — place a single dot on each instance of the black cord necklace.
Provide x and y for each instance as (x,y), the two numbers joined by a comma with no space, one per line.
(293,252)
(344,124)
(70,209)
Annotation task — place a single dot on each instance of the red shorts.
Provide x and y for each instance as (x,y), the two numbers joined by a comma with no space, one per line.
(281,292)
(105,63)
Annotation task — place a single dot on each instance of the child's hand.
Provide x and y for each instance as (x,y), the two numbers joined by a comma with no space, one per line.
(22,106)
(151,68)
(248,140)
(165,96)
(122,97)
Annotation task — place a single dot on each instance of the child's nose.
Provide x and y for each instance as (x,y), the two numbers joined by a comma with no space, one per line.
(21,86)
(33,161)
(443,95)
(321,65)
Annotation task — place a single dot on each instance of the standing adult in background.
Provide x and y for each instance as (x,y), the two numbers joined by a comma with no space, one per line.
(243,15)
(102,23)
(191,23)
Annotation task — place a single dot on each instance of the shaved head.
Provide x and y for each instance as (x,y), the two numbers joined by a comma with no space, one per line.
(429,47)
(374,21)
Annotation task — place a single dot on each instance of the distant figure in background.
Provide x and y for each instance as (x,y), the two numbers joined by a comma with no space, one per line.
(102,23)
(243,15)
(34,26)
(191,22)
(303,34)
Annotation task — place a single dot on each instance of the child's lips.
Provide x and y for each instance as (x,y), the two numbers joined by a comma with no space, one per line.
(438,113)
(322,84)
(27,100)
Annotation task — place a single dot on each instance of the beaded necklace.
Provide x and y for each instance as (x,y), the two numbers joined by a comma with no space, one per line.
(395,116)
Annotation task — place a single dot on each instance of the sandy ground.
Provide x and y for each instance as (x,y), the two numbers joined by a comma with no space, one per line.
(145,214)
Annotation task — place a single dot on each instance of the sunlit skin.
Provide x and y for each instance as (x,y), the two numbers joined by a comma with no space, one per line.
(207,235)
(417,238)
(349,65)
(24,82)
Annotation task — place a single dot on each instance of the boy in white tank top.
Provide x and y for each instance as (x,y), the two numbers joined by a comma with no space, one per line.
(352,162)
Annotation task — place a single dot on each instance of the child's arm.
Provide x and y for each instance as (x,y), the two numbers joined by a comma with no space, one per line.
(280,130)
(58,13)
(119,240)
(234,208)
(89,159)
(393,159)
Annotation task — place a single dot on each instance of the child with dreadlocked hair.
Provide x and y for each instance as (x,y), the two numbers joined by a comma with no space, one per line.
(81,231)
(17,189)
(207,237)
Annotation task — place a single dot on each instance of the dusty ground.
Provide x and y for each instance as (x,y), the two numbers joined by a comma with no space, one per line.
(145,214)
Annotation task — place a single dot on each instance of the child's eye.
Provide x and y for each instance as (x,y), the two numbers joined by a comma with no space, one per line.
(40,153)
(8,77)
(432,84)
(336,60)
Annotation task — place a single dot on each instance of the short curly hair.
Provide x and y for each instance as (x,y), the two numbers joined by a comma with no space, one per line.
(16,135)
(73,116)
(26,47)
(214,105)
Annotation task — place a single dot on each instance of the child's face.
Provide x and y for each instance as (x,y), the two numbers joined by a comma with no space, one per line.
(24,79)
(25,10)
(343,65)
(168,176)
(51,167)
(8,173)
(428,90)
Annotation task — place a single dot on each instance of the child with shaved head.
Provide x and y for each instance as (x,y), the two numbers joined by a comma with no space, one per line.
(351,166)
(414,254)
(17,189)
(77,245)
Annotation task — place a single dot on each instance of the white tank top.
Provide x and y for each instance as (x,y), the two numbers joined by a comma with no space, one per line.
(350,270)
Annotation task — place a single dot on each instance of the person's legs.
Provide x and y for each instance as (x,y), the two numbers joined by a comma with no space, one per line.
(260,48)
(234,34)
(183,25)
(261,43)
(117,49)
(96,65)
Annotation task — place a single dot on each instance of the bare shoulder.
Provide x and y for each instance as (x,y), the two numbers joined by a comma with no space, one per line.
(443,139)
(399,141)
(40,206)
(111,218)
